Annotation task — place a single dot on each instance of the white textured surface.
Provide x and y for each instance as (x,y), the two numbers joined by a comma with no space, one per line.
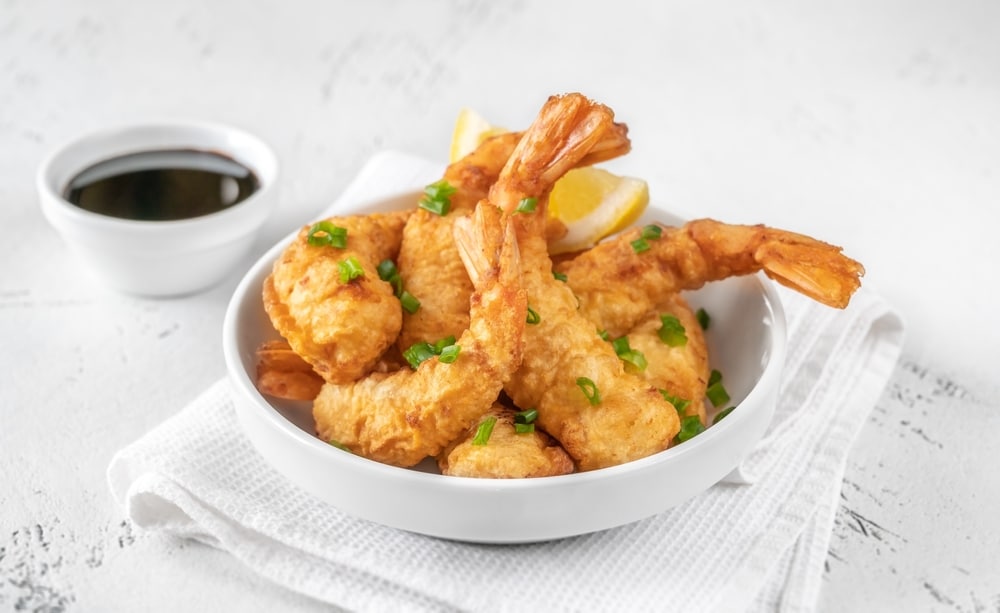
(870,124)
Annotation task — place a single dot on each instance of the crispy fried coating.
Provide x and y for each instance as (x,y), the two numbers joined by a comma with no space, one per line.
(404,416)
(681,370)
(507,454)
(618,286)
(339,327)
(601,415)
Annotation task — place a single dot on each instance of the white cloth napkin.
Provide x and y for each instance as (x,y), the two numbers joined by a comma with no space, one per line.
(758,546)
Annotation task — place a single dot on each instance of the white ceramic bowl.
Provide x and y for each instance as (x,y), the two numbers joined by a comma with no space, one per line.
(746,343)
(158,258)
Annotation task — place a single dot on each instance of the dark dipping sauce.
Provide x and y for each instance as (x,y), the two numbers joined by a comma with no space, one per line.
(162,185)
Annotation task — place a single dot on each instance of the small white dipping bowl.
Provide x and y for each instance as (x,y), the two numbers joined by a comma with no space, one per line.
(158,258)
(746,341)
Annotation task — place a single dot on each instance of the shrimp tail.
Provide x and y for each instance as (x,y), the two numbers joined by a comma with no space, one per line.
(568,131)
(814,268)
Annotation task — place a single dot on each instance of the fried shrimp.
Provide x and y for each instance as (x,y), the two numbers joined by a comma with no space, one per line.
(618,284)
(327,300)
(601,415)
(505,453)
(673,348)
(403,417)
(428,262)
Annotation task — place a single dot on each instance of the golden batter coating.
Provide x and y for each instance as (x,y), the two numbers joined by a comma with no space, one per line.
(507,454)
(339,327)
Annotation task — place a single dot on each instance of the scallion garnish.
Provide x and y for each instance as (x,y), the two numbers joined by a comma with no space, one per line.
(716,393)
(722,414)
(324,233)
(417,353)
(409,302)
(526,205)
(445,349)
(484,430)
(449,354)
(350,269)
(629,355)
(444,342)
(437,197)
(526,416)
(651,232)
(703,318)
(524,428)
(589,389)
(339,445)
(604,335)
(680,404)
(672,331)
(559,276)
(533,317)
(639,245)
(388,272)
(691,427)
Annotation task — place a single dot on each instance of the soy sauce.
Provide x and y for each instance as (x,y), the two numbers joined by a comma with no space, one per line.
(162,185)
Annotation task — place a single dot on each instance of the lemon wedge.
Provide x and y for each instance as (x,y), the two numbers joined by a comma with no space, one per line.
(591,202)
(471,129)
(594,203)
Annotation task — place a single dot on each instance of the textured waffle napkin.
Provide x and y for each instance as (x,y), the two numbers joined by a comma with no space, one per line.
(734,547)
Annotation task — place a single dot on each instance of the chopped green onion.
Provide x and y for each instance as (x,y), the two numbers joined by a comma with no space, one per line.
(651,232)
(526,205)
(533,317)
(388,272)
(559,276)
(484,431)
(350,269)
(639,245)
(603,334)
(680,404)
(446,350)
(524,428)
(589,389)
(417,353)
(409,302)
(324,233)
(691,427)
(442,343)
(703,318)
(449,354)
(339,445)
(672,331)
(716,393)
(629,355)
(526,416)
(722,414)
(437,197)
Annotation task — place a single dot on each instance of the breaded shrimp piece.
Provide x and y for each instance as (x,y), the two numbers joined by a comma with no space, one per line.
(339,327)
(403,417)
(507,454)
(601,415)
(681,369)
(619,285)
(428,264)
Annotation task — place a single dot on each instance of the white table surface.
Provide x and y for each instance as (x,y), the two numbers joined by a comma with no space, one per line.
(874,125)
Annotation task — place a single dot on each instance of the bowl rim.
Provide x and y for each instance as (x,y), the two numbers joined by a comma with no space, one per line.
(251,211)
(244,385)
